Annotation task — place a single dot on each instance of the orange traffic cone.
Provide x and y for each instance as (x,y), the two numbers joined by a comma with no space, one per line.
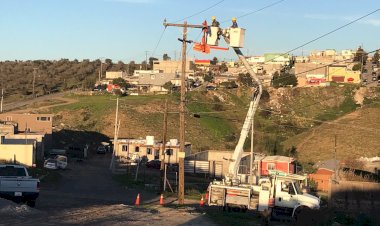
(202,202)
(162,199)
(137,199)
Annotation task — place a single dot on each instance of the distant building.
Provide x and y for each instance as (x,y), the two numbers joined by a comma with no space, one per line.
(170,66)
(110,75)
(146,72)
(150,149)
(277,58)
(154,82)
(39,124)
(341,74)
(325,171)
(278,163)
(311,74)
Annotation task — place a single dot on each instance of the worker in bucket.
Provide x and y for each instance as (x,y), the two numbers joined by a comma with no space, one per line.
(214,22)
(234,24)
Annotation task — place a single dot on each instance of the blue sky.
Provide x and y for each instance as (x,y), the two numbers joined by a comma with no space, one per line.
(125,29)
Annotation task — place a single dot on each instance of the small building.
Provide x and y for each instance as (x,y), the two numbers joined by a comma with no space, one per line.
(170,66)
(150,149)
(341,74)
(152,83)
(325,170)
(278,163)
(19,151)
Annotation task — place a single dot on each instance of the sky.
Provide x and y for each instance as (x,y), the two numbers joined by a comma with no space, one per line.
(131,29)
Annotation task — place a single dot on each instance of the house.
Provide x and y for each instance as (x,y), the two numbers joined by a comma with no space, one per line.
(325,170)
(150,149)
(37,124)
(154,82)
(278,163)
(341,74)
(170,66)
(310,74)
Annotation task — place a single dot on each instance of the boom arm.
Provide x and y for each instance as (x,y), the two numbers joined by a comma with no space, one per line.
(236,157)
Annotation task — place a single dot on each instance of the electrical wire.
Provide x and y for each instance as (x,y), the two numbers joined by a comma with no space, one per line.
(202,11)
(326,34)
(303,72)
(258,10)
(158,43)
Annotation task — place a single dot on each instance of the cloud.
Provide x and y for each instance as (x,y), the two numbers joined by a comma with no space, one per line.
(373,22)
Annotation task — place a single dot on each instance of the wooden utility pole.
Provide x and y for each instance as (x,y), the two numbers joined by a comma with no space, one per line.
(181,154)
(117,124)
(162,168)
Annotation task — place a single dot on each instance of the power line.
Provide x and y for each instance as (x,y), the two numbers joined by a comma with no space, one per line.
(158,43)
(258,10)
(326,34)
(202,11)
(303,72)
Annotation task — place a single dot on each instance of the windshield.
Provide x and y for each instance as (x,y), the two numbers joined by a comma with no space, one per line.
(298,188)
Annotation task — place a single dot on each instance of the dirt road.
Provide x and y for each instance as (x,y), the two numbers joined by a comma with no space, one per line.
(87,194)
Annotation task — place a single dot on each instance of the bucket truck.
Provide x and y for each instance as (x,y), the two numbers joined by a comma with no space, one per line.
(280,193)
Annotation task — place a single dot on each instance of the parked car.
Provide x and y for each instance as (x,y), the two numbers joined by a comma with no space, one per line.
(17,185)
(57,162)
(101,150)
(210,88)
(155,164)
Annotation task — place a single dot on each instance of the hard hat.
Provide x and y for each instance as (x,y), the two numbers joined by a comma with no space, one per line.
(213,18)
(233,18)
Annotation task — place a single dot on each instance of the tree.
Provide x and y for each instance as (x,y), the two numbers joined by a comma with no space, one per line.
(357,67)
(284,79)
(376,57)
(361,56)
(214,61)
(168,85)
(245,79)
(131,67)
(223,67)
(119,81)
(151,59)
(166,57)
(209,77)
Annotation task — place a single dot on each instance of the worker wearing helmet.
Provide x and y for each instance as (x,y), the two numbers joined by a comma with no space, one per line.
(214,22)
(234,24)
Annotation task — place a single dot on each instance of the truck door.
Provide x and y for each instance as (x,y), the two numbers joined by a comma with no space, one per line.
(285,194)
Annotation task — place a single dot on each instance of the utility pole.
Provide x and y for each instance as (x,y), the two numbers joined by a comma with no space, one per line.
(112,165)
(162,168)
(34,79)
(252,154)
(335,157)
(2,100)
(181,157)
(146,60)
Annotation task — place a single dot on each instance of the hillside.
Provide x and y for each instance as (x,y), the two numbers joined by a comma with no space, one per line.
(285,117)
(356,136)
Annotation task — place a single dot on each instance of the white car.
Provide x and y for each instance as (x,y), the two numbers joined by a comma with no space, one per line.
(58,162)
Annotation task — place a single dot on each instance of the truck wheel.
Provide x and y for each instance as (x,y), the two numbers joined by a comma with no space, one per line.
(298,212)
(31,203)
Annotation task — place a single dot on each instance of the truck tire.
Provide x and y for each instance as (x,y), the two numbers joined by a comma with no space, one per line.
(31,203)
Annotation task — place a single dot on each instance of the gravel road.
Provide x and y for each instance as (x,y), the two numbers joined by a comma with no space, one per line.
(87,195)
